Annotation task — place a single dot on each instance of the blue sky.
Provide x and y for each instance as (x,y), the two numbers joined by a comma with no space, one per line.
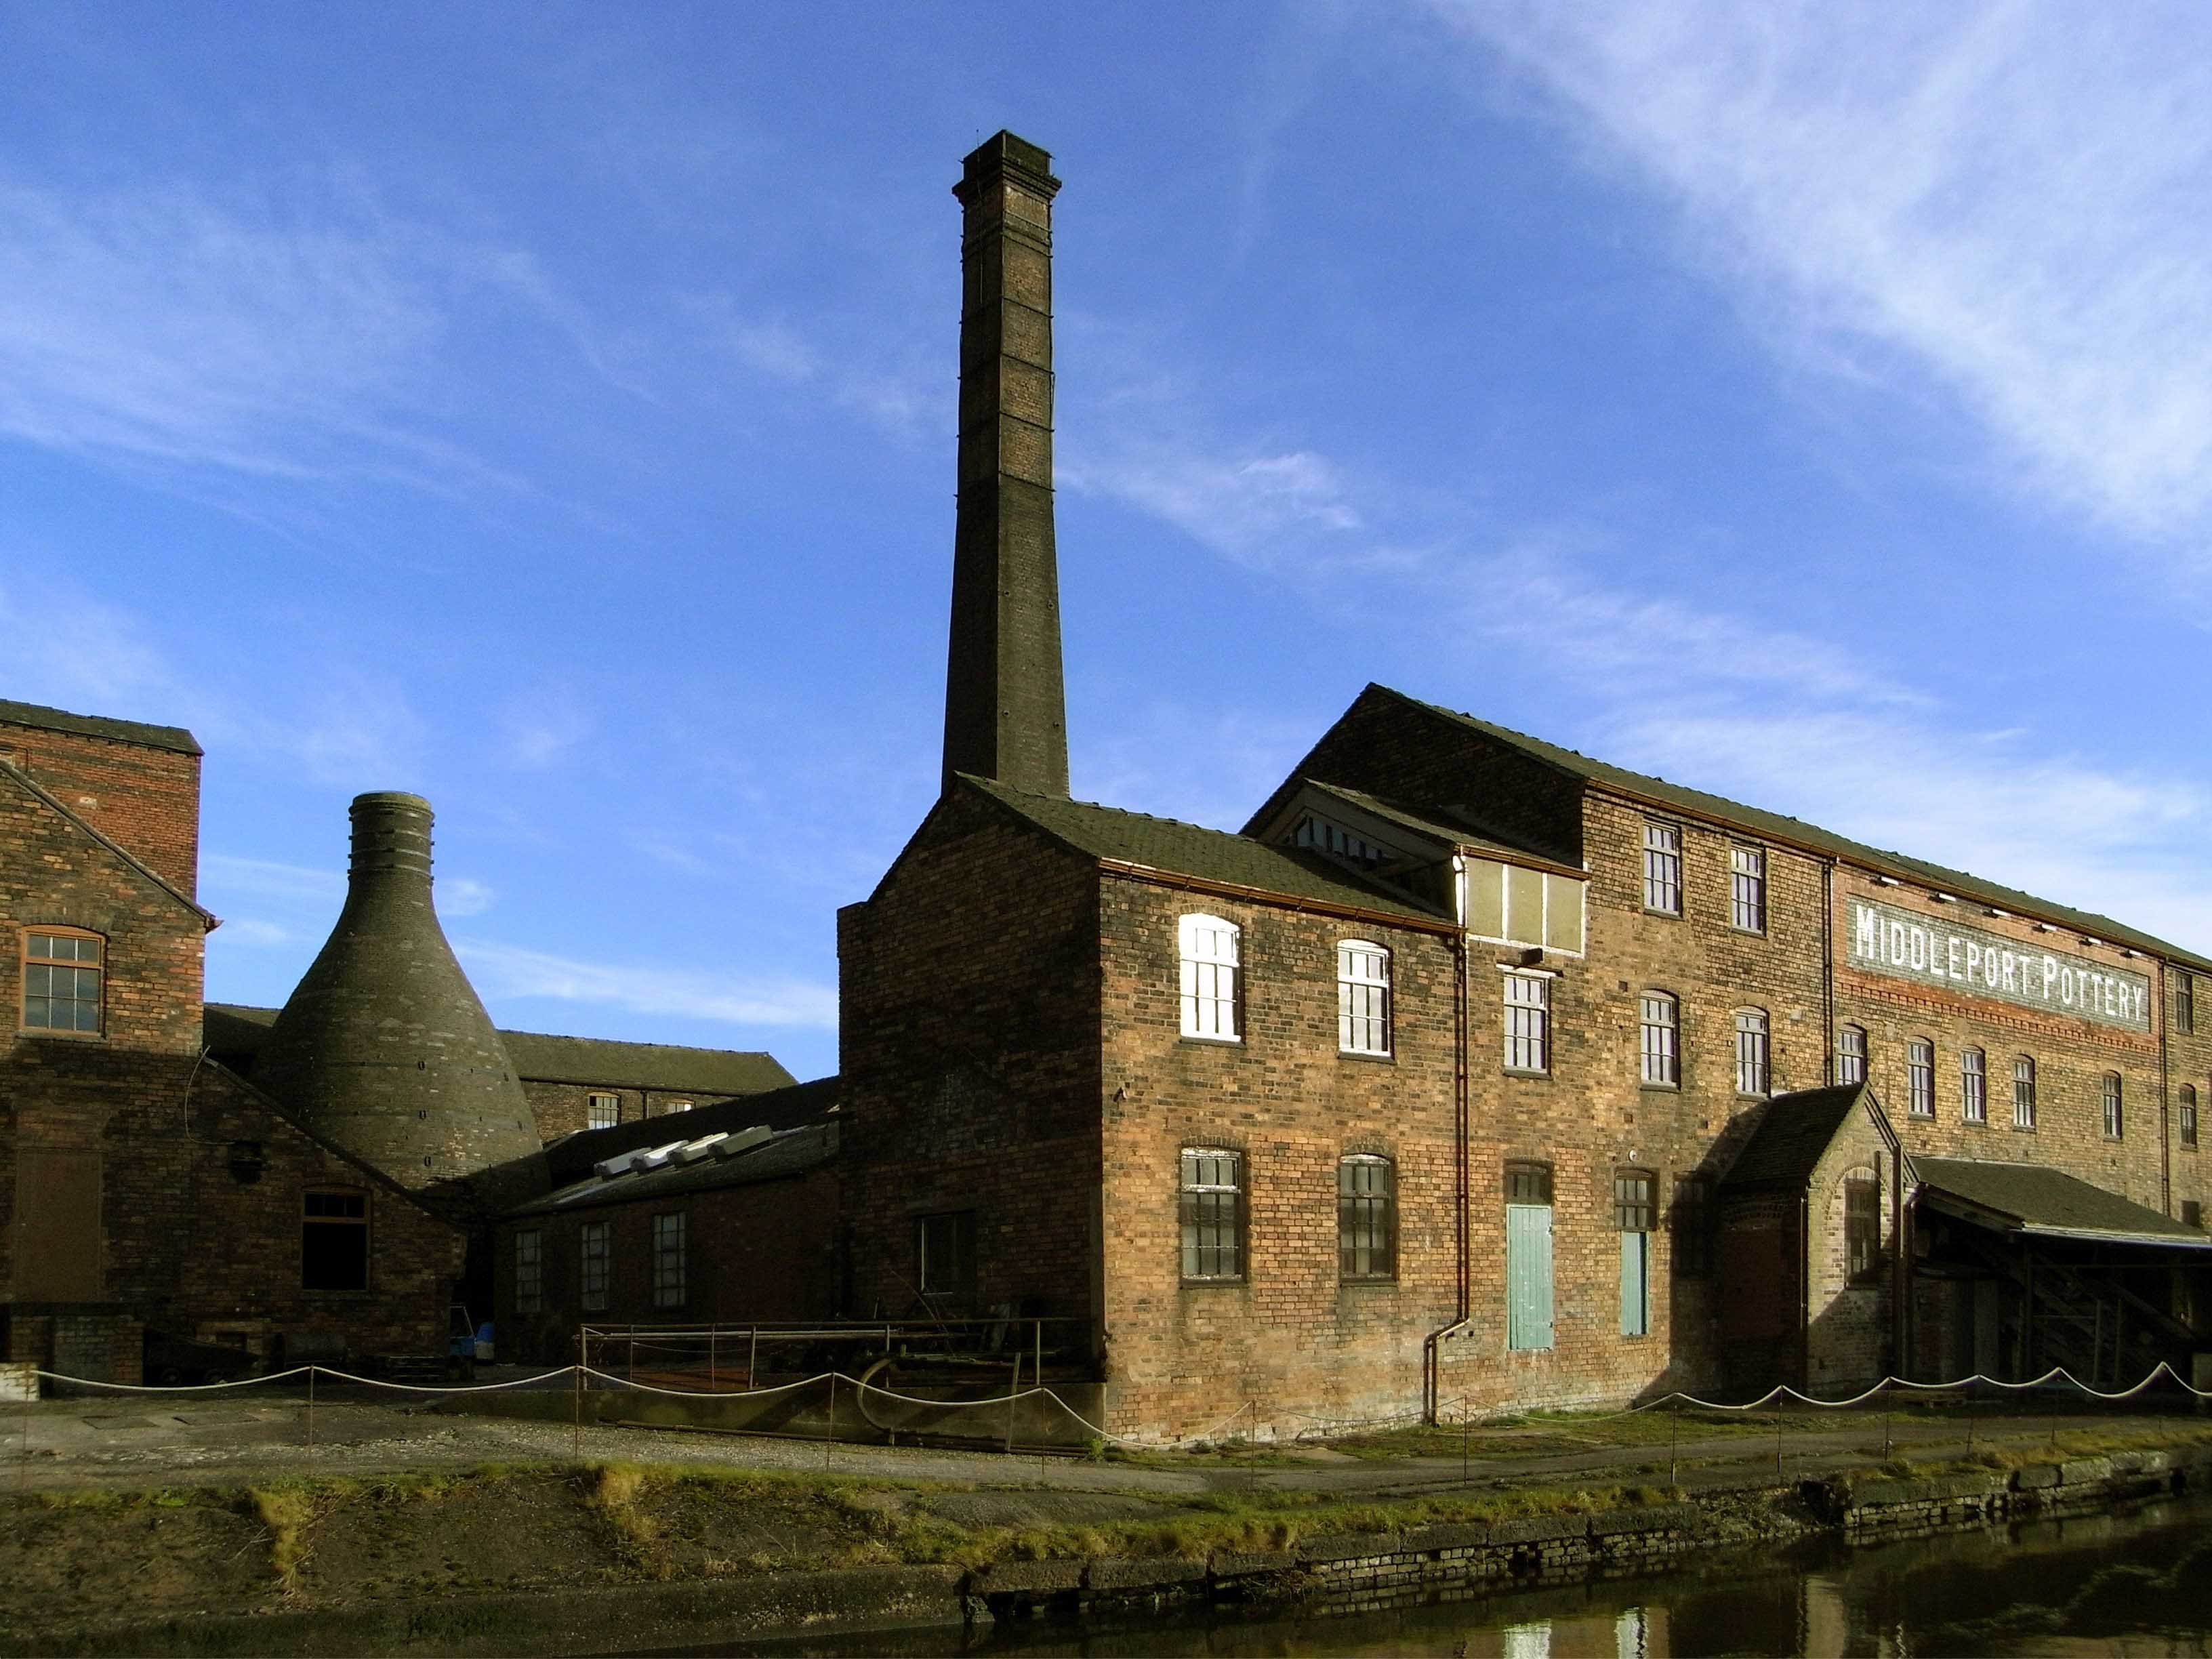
(549,408)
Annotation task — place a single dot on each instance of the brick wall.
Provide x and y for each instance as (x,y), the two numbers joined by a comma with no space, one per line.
(968,1050)
(146,800)
(560,1109)
(1291,1335)
(765,1251)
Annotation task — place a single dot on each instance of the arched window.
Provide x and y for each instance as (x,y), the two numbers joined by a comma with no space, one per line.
(1862,1227)
(1851,1055)
(1661,1026)
(1366,1217)
(2023,1092)
(2114,1124)
(65,980)
(1211,1205)
(1974,1086)
(1363,998)
(1752,1069)
(334,1240)
(1920,1077)
(1210,971)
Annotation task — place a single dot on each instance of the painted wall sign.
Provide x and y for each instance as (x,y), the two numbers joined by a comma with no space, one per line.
(1883,939)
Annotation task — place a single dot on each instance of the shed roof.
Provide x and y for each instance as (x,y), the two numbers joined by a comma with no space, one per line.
(786,1153)
(1785,828)
(779,1108)
(2028,1198)
(1174,848)
(173,738)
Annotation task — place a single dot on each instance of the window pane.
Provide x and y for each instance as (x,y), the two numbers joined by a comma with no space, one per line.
(1663,868)
(1366,1225)
(1851,1054)
(1211,1214)
(1363,998)
(1920,1077)
(2114,1125)
(1661,1055)
(1528,1021)
(1209,947)
(2023,1093)
(1974,1085)
(1751,1054)
(1747,888)
(596,1261)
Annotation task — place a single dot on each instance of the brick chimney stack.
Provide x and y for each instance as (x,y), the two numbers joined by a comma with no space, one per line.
(1005,713)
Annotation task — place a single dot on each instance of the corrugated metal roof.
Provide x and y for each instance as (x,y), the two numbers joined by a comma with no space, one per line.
(791,1152)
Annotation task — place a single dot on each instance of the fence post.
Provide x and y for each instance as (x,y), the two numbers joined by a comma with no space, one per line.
(311,1413)
(1013,1389)
(710,1358)
(1673,1444)
(576,1440)
(23,1468)
(752,1365)
(829,1434)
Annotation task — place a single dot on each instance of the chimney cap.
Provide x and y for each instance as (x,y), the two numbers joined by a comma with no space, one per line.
(1003,152)
(387,800)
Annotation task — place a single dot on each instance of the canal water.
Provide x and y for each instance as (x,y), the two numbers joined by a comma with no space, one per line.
(2132,1585)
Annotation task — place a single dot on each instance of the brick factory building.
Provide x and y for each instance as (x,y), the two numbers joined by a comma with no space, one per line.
(328,1204)
(1473,1072)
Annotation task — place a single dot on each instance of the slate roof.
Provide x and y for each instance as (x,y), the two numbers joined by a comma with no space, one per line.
(789,1152)
(234,1029)
(2036,1199)
(548,1058)
(572,1155)
(173,738)
(1107,833)
(1792,1135)
(1783,828)
(1438,825)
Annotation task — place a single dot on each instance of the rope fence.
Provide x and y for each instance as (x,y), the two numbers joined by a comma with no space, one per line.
(788,1409)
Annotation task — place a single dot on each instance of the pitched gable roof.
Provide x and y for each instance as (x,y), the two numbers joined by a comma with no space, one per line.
(1137,843)
(138,865)
(1780,827)
(173,738)
(1793,1135)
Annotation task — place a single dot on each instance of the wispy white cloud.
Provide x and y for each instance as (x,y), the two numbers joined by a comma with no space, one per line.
(302,337)
(2006,198)
(460,896)
(269,879)
(901,391)
(254,931)
(505,972)
(1260,508)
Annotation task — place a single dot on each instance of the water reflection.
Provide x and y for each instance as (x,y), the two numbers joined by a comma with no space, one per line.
(2132,1585)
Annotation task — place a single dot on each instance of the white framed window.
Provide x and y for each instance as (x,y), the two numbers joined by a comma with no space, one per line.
(1323,837)
(1974,1086)
(672,1266)
(1920,1077)
(2115,1122)
(2023,1092)
(595,1261)
(1753,1074)
(1851,1055)
(529,1271)
(1528,1021)
(1747,888)
(1663,868)
(1661,1026)
(1363,998)
(1211,1203)
(1212,971)
(602,1111)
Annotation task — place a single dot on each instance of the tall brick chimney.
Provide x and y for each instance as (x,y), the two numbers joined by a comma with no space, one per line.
(383,1046)
(1005,712)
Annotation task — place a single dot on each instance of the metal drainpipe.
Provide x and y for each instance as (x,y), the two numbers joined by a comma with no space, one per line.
(1462,1300)
(1828,971)
(2165,1099)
